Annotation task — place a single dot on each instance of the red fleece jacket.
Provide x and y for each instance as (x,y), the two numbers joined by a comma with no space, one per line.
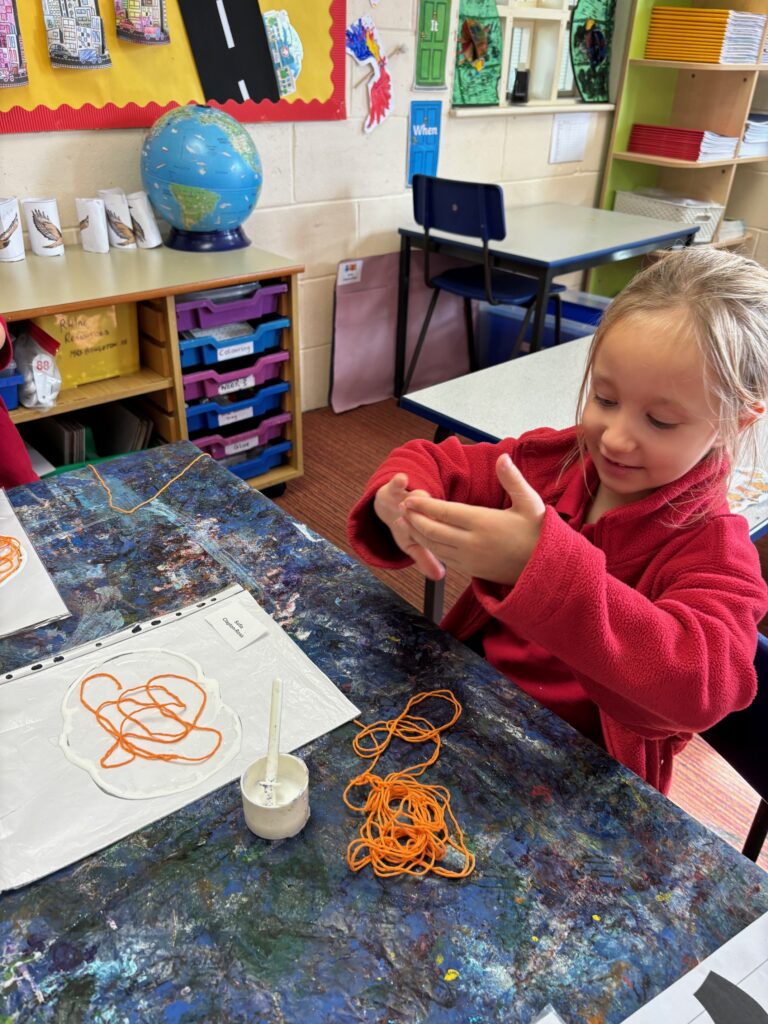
(655,618)
(15,467)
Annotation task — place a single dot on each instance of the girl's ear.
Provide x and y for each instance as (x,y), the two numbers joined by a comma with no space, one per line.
(755,412)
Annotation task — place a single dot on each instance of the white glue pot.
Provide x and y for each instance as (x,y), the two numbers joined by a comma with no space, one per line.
(280,810)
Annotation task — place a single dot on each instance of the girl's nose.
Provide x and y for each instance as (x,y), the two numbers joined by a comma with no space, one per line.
(618,438)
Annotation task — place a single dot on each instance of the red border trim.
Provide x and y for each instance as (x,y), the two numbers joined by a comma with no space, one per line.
(66,118)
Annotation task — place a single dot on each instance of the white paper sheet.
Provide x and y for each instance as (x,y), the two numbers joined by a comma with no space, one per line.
(28,596)
(569,137)
(742,961)
(52,813)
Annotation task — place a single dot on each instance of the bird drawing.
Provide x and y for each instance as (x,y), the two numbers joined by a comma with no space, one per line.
(84,222)
(47,229)
(138,230)
(126,235)
(5,236)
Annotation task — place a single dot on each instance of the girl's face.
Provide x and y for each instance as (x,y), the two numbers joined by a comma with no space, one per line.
(650,415)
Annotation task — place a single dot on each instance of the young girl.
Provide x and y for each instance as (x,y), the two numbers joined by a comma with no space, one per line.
(609,579)
(15,467)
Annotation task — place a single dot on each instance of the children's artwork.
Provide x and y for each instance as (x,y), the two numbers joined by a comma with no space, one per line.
(364,44)
(148,723)
(747,487)
(75,35)
(424,137)
(223,50)
(286,49)
(139,21)
(27,594)
(13,64)
(148,719)
(591,34)
(230,50)
(432,44)
(478,54)
(730,986)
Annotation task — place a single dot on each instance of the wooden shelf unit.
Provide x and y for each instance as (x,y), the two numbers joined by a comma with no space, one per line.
(697,95)
(152,278)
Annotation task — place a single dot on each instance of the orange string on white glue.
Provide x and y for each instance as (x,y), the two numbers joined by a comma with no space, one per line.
(10,557)
(409,826)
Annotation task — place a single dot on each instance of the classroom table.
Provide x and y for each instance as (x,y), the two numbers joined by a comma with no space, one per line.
(506,400)
(543,241)
(592,892)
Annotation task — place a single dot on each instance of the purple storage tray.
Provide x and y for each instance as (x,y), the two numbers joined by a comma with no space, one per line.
(220,447)
(210,384)
(207,313)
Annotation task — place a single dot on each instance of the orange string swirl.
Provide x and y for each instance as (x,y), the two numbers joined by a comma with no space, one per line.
(10,557)
(133,735)
(409,826)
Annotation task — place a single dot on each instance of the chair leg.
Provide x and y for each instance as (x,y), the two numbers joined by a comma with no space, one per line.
(420,341)
(558,316)
(757,833)
(470,335)
(521,333)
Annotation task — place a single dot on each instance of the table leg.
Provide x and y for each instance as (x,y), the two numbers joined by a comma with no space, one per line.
(401,331)
(540,313)
(434,594)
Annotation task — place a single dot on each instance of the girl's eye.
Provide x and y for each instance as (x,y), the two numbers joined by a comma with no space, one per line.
(605,402)
(660,424)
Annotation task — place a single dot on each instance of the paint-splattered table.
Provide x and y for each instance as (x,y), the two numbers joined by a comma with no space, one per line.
(592,892)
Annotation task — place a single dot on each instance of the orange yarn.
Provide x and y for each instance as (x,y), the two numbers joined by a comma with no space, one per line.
(409,826)
(130,511)
(10,557)
(136,703)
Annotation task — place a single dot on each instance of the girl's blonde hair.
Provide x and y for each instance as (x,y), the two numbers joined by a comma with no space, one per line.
(725,300)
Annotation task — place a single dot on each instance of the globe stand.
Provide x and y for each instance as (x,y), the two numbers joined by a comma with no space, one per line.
(207,241)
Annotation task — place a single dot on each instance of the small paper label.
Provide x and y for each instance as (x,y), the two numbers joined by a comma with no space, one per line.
(238,384)
(245,348)
(44,381)
(237,414)
(237,626)
(241,446)
(350,272)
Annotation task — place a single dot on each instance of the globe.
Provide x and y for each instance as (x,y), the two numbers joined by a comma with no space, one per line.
(202,173)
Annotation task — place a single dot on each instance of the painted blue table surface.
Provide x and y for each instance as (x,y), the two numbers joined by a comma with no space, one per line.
(592,892)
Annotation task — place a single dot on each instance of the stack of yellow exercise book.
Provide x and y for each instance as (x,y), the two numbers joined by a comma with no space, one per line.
(706,36)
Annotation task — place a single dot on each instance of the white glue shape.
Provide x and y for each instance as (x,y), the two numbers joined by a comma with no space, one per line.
(163,736)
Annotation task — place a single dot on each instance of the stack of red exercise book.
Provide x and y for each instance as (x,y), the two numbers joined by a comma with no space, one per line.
(681,143)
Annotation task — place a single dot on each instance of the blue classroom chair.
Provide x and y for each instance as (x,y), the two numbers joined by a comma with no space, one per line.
(474,210)
(740,739)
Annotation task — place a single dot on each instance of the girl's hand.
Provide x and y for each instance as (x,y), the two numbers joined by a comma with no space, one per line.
(489,543)
(388,507)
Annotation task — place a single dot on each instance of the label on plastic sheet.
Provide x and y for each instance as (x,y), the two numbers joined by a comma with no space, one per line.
(350,272)
(237,626)
(241,446)
(245,348)
(237,414)
(238,384)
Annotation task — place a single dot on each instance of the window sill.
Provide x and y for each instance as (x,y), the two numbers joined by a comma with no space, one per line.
(532,107)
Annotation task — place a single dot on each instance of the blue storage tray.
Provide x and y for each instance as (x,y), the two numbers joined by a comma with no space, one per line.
(208,415)
(209,351)
(9,389)
(270,456)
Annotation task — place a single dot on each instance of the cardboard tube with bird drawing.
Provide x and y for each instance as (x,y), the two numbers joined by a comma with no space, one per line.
(119,225)
(43,226)
(92,221)
(143,218)
(11,232)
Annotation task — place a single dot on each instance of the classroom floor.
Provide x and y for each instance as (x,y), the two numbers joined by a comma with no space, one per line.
(341,452)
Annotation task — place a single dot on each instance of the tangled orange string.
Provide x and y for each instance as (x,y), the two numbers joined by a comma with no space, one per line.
(10,557)
(409,826)
(133,707)
(130,511)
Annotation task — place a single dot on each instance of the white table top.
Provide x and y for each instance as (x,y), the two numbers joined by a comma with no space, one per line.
(537,390)
(557,233)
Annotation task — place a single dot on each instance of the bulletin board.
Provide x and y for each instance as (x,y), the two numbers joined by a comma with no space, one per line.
(144,80)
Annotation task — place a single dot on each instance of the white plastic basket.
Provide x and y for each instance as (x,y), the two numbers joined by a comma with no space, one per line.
(666,206)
